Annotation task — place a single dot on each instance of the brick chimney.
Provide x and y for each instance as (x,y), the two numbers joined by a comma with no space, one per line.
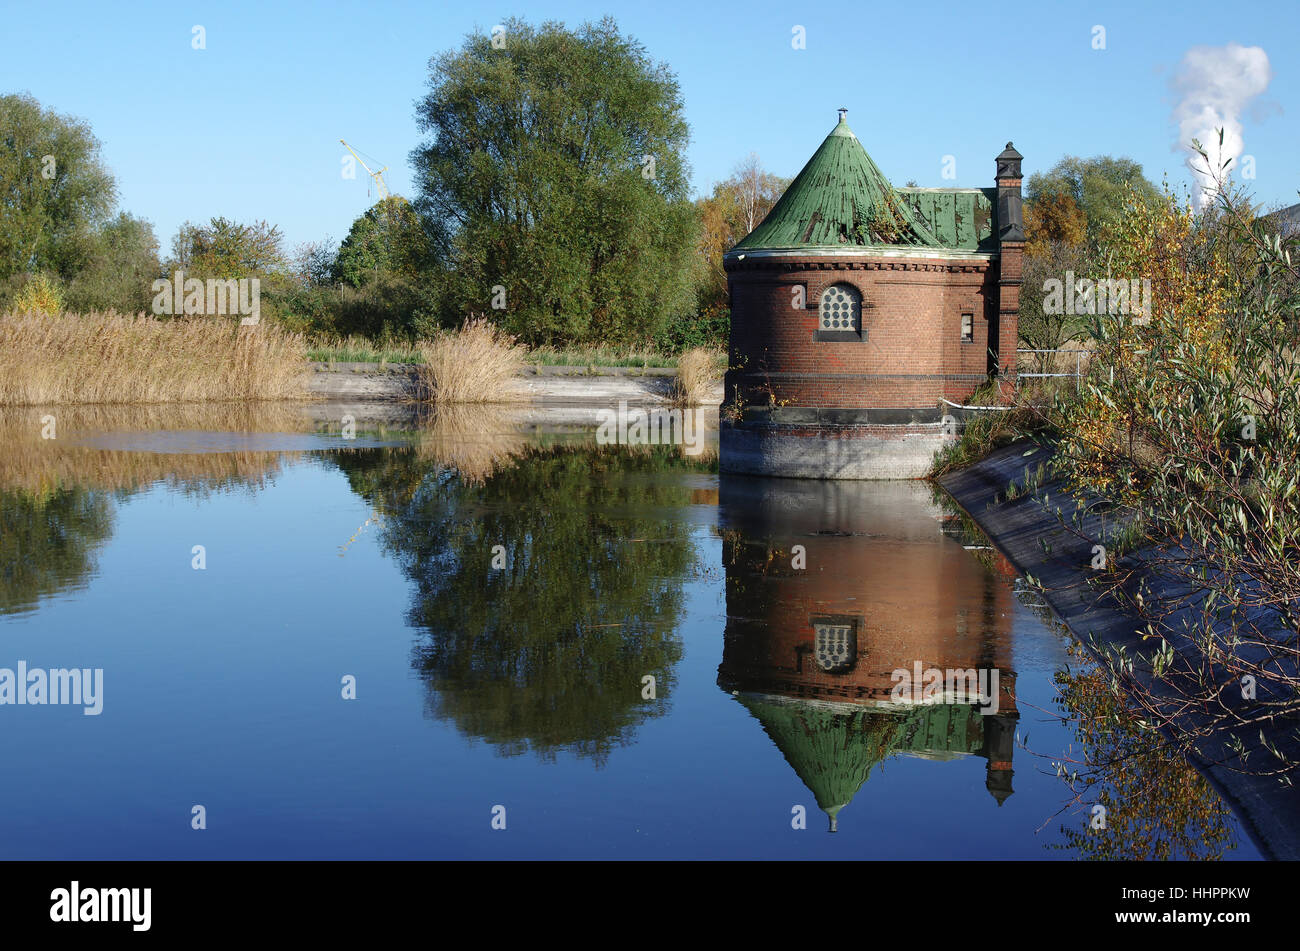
(1011,248)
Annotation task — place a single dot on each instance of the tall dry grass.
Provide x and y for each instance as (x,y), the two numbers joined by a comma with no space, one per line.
(477,364)
(697,371)
(111,358)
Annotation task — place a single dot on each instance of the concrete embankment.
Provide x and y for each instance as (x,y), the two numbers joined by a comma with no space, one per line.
(597,385)
(1047,541)
(553,397)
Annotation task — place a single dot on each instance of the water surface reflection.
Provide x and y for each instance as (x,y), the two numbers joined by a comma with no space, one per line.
(503,594)
(831,588)
(547,589)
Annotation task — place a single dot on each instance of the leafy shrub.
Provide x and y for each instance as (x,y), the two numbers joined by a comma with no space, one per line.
(40,295)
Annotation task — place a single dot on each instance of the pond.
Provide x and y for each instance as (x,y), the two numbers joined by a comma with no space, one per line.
(467,638)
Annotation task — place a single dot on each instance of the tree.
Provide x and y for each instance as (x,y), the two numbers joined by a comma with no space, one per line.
(54,192)
(388,239)
(120,269)
(736,207)
(1098,187)
(554,180)
(1053,218)
(1055,233)
(756,191)
(385,264)
(228,250)
(313,262)
(1050,328)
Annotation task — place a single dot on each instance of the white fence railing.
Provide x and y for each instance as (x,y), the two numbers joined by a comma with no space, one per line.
(1042,360)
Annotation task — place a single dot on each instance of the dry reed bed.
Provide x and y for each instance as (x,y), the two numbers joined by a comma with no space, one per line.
(697,369)
(111,358)
(477,364)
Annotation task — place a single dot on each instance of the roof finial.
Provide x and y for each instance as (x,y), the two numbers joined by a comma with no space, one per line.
(843,114)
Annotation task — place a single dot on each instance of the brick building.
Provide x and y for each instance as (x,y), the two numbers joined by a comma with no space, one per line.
(857,308)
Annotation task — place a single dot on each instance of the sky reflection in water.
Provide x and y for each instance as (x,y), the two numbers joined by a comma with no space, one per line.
(520,686)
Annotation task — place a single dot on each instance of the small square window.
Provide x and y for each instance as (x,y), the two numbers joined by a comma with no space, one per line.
(967,328)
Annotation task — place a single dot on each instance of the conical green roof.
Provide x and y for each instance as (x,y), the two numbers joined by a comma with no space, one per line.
(840,199)
(833,752)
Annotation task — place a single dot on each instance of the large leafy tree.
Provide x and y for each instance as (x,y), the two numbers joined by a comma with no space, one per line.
(223,249)
(554,170)
(227,249)
(54,191)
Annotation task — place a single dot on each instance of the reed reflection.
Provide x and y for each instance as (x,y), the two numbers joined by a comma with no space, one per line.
(58,495)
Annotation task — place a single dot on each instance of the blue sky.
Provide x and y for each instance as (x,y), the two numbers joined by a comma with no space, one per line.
(249,127)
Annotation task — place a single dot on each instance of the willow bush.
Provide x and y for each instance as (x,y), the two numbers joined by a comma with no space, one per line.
(1188,427)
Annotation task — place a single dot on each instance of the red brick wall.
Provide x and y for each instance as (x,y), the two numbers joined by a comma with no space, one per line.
(926,601)
(911,312)
(1011,261)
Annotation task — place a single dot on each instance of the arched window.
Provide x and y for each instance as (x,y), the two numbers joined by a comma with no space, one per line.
(841,309)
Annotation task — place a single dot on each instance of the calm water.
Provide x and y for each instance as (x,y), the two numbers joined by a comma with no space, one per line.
(500,601)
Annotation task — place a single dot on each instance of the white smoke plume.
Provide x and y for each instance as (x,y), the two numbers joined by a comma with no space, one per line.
(1214,85)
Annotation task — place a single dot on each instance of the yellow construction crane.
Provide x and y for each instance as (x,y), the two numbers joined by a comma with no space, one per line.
(378,176)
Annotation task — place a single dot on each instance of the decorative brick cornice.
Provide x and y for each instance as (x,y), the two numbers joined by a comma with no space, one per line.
(928,266)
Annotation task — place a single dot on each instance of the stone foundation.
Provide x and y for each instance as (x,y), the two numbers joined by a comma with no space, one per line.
(817,449)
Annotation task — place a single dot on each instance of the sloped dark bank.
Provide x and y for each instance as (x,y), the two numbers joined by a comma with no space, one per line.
(1031,535)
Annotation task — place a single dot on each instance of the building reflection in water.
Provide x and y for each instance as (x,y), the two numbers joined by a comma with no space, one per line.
(811,651)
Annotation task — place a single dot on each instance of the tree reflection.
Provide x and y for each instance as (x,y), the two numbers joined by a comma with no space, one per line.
(1157,806)
(58,489)
(546,652)
(48,542)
